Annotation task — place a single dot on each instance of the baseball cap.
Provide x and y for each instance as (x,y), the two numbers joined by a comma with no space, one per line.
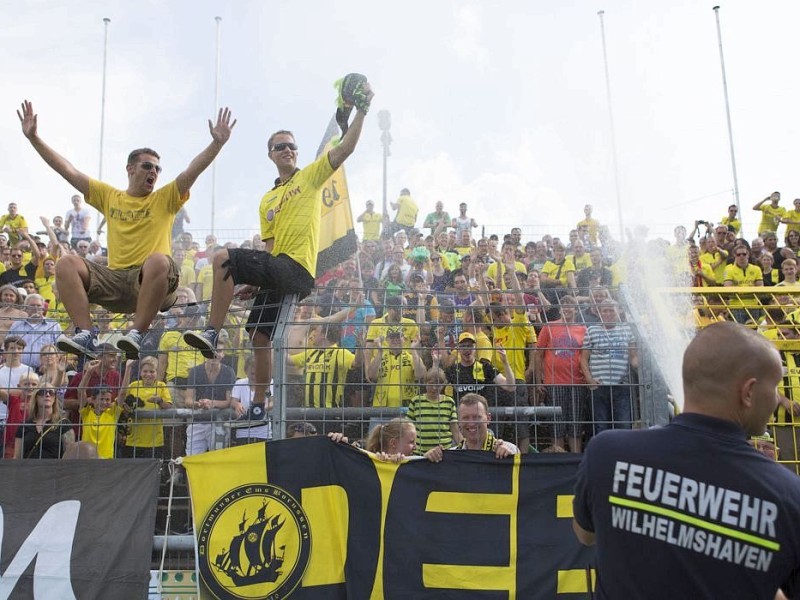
(466,336)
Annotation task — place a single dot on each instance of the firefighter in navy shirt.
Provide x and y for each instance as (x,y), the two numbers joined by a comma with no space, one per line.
(691,510)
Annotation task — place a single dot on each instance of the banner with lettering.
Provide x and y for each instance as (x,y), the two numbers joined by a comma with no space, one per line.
(309,518)
(76,529)
(337,235)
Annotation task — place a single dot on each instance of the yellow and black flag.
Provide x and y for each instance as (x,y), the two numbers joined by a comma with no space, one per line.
(310,519)
(337,235)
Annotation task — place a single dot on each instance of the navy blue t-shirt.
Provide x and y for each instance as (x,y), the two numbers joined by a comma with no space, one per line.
(690,510)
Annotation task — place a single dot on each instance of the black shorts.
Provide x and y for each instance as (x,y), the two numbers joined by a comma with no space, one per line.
(280,273)
(277,276)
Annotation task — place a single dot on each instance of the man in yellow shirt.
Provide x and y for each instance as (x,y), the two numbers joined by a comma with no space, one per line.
(396,372)
(716,258)
(731,220)
(560,270)
(407,211)
(771,214)
(589,225)
(743,274)
(325,366)
(792,218)
(290,219)
(512,331)
(141,276)
(13,224)
(372,222)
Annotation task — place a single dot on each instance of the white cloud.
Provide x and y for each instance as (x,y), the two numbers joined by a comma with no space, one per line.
(466,39)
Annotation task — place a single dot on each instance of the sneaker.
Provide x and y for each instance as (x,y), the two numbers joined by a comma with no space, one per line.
(130,344)
(83,343)
(205,341)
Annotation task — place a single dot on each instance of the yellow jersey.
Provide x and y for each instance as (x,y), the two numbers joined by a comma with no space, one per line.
(297,213)
(137,227)
(146,433)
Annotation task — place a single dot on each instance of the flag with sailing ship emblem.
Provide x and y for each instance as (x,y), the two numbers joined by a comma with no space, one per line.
(309,518)
(337,235)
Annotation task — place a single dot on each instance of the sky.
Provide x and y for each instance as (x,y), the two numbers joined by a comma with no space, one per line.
(500,104)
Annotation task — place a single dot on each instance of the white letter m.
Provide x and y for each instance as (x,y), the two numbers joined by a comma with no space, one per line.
(50,544)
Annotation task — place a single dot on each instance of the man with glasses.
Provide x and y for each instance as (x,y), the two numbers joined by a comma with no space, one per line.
(743,274)
(141,276)
(17,271)
(290,221)
(731,220)
(82,248)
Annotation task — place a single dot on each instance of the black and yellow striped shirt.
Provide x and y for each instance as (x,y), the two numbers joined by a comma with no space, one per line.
(325,372)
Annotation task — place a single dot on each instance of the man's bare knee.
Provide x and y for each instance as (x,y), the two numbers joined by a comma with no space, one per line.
(67,267)
(156,265)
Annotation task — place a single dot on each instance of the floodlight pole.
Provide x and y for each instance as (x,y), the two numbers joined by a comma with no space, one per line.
(385,124)
(214,113)
(612,128)
(728,116)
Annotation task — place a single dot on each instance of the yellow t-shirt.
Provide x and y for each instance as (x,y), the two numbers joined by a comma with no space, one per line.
(180,356)
(45,287)
(792,215)
(13,224)
(146,433)
(188,276)
(708,272)
(325,372)
(581,262)
(592,227)
(372,225)
(297,213)
(378,328)
(770,218)
(406,211)
(515,339)
(206,280)
(491,272)
(743,278)
(735,223)
(137,227)
(551,269)
(100,430)
(396,384)
(709,259)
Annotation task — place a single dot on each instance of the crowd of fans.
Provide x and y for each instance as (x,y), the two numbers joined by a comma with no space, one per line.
(415,320)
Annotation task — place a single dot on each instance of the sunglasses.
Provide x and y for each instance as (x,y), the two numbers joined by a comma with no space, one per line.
(741,254)
(45,393)
(283,146)
(148,166)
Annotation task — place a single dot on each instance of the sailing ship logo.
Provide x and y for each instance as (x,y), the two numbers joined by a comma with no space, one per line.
(254,543)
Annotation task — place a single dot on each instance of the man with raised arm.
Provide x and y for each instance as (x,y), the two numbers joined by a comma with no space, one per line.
(290,221)
(141,276)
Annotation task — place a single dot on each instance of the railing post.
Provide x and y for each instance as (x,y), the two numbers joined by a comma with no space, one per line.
(285,317)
